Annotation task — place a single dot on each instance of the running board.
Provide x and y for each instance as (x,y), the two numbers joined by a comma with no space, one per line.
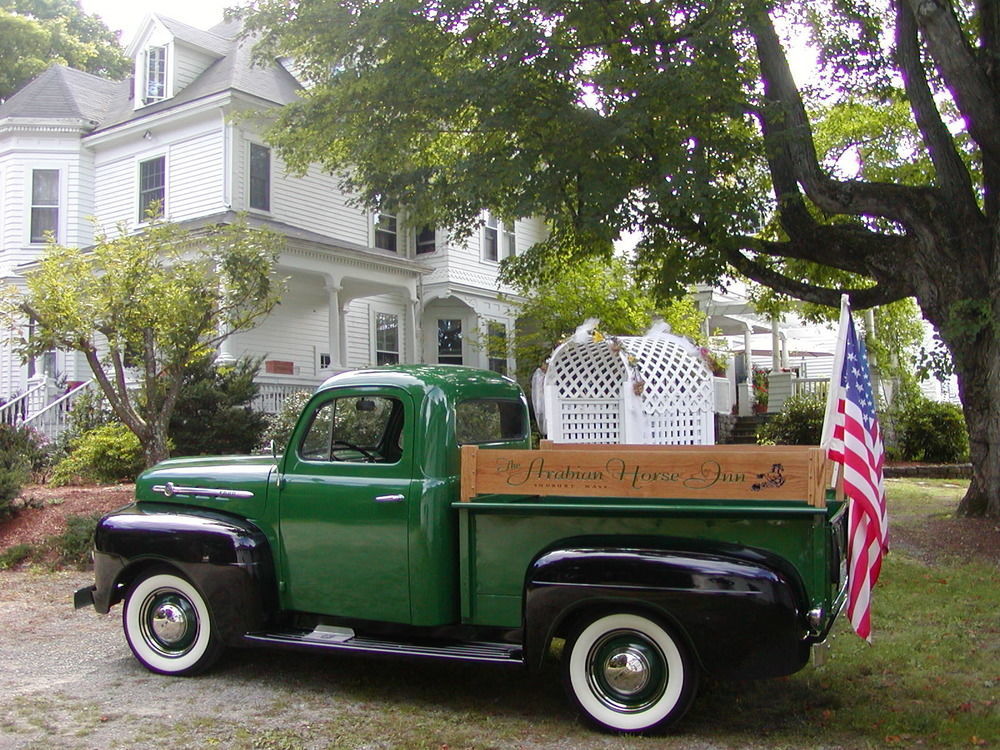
(501,653)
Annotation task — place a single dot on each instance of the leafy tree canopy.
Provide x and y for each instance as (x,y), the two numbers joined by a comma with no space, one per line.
(680,119)
(38,33)
(152,304)
(592,289)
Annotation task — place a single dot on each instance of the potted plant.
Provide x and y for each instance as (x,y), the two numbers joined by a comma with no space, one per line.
(715,361)
(759,384)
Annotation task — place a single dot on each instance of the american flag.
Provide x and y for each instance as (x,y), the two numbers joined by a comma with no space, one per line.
(856,444)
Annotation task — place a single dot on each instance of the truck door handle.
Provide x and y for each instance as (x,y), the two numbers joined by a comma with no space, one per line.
(390,498)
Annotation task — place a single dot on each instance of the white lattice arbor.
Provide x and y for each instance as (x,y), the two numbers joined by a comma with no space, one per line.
(629,389)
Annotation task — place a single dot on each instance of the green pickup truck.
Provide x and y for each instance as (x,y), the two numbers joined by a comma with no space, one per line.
(409,516)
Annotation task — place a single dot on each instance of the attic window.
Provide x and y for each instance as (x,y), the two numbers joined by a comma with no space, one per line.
(156,75)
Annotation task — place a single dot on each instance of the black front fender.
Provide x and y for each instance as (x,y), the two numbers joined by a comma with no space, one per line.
(742,618)
(227,558)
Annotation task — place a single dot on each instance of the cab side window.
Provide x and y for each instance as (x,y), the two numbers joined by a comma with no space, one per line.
(357,429)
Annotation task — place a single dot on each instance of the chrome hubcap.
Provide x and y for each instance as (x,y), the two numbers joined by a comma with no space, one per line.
(169,623)
(627,671)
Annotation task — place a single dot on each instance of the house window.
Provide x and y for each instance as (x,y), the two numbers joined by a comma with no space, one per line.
(498,239)
(44,203)
(426,241)
(156,75)
(450,341)
(385,231)
(496,347)
(386,339)
(152,187)
(260,177)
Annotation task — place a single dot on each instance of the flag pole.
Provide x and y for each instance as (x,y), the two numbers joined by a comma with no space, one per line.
(833,392)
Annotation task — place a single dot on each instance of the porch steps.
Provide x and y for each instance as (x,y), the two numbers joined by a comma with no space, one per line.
(745,429)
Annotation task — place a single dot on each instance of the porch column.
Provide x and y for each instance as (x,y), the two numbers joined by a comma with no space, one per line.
(775,346)
(410,322)
(335,325)
(746,387)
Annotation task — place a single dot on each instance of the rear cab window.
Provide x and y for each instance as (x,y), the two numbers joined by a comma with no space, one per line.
(483,421)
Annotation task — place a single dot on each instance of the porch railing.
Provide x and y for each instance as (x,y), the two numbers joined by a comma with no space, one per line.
(53,419)
(820,386)
(16,410)
(271,396)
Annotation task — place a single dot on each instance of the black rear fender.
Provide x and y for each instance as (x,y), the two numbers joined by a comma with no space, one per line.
(227,558)
(742,618)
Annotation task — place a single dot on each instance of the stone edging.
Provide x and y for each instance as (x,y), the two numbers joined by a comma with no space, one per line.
(930,471)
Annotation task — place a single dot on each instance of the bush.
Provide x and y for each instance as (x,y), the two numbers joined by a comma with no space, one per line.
(110,453)
(280,426)
(800,422)
(213,414)
(90,410)
(22,453)
(74,545)
(16,555)
(931,431)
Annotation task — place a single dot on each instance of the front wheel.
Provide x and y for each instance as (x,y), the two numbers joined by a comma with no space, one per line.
(628,673)
(168,625)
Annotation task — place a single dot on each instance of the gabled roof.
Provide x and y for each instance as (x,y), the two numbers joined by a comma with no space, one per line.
(233,70)
(204,40)
(64,93)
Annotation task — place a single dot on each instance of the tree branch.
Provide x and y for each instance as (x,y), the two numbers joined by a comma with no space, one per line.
(860,298)
(966,80)
(952,174)
(787,126)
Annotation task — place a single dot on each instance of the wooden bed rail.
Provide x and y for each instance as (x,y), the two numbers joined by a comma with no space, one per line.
(691,472)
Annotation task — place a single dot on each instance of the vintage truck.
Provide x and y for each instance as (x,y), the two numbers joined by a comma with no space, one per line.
(408,516)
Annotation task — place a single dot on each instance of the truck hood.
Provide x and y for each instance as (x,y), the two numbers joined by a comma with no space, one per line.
(237,484)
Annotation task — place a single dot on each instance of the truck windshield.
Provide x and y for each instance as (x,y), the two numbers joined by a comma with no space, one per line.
(489,420)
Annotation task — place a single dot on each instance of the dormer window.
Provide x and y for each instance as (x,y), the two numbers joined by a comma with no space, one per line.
(155,88)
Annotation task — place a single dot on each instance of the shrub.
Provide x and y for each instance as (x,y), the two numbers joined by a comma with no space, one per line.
(800,422)
(213,414)
(110,453)
(16,555)
(931,431)
(90,410)
(22,452)
(281,424)
(73,546)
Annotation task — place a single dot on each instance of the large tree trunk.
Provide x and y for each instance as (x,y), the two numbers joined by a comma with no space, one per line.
(977,362)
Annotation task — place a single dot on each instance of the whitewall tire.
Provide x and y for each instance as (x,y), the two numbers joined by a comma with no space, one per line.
(628,673)
(168,625)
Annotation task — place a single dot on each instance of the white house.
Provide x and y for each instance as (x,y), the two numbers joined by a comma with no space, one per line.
(362,289)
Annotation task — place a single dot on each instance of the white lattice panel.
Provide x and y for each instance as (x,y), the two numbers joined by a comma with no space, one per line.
(584,386)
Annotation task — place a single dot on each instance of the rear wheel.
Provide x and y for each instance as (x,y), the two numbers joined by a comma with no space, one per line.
(629,673)
(168,625)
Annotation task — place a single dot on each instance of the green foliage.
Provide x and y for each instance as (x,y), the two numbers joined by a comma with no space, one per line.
(109,453)
(39,33)
(22,452)
(931,431)
(73,546)
(800,422)
(13,556)
(159,301)
(602,289)
(213,414)
(280,425)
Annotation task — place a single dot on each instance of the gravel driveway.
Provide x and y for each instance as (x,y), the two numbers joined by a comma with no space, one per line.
(68,680)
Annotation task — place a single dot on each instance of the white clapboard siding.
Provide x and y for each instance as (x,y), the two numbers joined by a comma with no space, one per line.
(188,65)
(295,331)
(315,203)
(195,176)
